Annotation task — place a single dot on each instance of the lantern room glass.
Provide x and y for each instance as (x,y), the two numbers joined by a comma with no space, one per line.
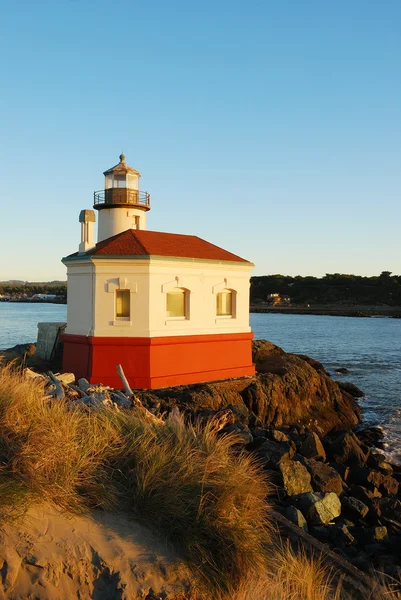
(121,180)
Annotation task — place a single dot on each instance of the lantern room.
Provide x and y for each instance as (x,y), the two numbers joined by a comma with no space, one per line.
(121,204)
(121,187)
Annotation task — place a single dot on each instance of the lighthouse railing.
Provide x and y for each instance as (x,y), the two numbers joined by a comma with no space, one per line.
(121,196)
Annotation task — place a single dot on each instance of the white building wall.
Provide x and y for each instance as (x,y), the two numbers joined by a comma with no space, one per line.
(80,298)
(115,220)
(149,282)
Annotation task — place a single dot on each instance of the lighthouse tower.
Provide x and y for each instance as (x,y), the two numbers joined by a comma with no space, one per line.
(121,205)
(171,309)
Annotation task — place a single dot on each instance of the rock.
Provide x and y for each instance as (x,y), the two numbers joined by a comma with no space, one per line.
(370,435)
(346,448)
(377,534)
(311,446)
(387,507)
(65,378)
(342,370)
(277,436)
(320,510)
(289,392)
(255,444)
(386,484)
(341,534)
(295,516)
(262,349)
(341,469)
(19,353)
(320,533)
(241,432)
(296,479)
(259,432)
(376,460)
(362,494)
(350,388)
(313,363)
(272,453)
(354,508)
(324,478)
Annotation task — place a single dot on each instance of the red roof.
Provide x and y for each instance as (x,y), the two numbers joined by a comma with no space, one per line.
(134,242)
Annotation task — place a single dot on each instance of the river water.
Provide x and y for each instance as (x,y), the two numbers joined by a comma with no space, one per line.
(369,347)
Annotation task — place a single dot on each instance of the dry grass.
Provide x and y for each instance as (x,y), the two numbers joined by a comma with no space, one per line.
(184,482)
(291,576)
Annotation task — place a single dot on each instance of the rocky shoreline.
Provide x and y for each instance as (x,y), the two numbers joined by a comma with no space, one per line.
(328,476)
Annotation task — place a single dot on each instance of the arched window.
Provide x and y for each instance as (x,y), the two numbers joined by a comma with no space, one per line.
(177,303)
(225,303)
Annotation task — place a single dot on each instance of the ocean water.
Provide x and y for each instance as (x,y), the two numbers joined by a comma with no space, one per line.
(369,347)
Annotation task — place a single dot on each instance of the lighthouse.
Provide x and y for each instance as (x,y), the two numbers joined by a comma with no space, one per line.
(172,309)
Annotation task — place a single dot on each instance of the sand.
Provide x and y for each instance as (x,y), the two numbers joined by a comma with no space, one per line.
(52,556)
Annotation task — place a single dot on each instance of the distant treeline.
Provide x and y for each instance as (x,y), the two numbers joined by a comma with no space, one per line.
(333,288)
(30,288)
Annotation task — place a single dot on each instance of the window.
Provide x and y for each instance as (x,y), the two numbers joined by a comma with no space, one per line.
(225,304)
(176,303)
(123,301)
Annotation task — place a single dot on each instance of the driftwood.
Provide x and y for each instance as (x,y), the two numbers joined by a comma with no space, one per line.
(58,387)
(127,387)
(92,396)
(135,401)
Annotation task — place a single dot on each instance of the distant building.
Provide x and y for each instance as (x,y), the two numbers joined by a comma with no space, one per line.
(43,297)
(276,299)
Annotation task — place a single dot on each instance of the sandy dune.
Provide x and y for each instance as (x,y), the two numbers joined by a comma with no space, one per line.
(52,556)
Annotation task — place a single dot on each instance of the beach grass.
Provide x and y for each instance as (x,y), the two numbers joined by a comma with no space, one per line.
(191,486)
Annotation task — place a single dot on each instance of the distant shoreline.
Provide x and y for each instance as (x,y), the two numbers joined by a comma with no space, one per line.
(27,301)
(393,312)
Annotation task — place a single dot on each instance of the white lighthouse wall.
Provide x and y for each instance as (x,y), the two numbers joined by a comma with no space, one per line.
(149,282)
(92,289)
(115,220)
(80,301)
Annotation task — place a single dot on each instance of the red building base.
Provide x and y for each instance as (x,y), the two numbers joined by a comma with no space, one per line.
(159,362)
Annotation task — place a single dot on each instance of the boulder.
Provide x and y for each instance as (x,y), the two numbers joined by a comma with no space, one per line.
(296,479)
(240,431)
(363,494)
(262,349)
(277,436)
(350,388)
(346,448)
(378,461)
(370,435)
(295,516)
(320,532)
(342,370)
(353,507)
(272,453)
(19,353)
(340,534)
(289,392)
(341,469)
(311,446)
(324,478)
(320,509)
(386,507)
(377,534)
(386,484)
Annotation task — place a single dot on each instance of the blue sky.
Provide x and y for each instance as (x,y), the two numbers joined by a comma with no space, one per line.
(271,128)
